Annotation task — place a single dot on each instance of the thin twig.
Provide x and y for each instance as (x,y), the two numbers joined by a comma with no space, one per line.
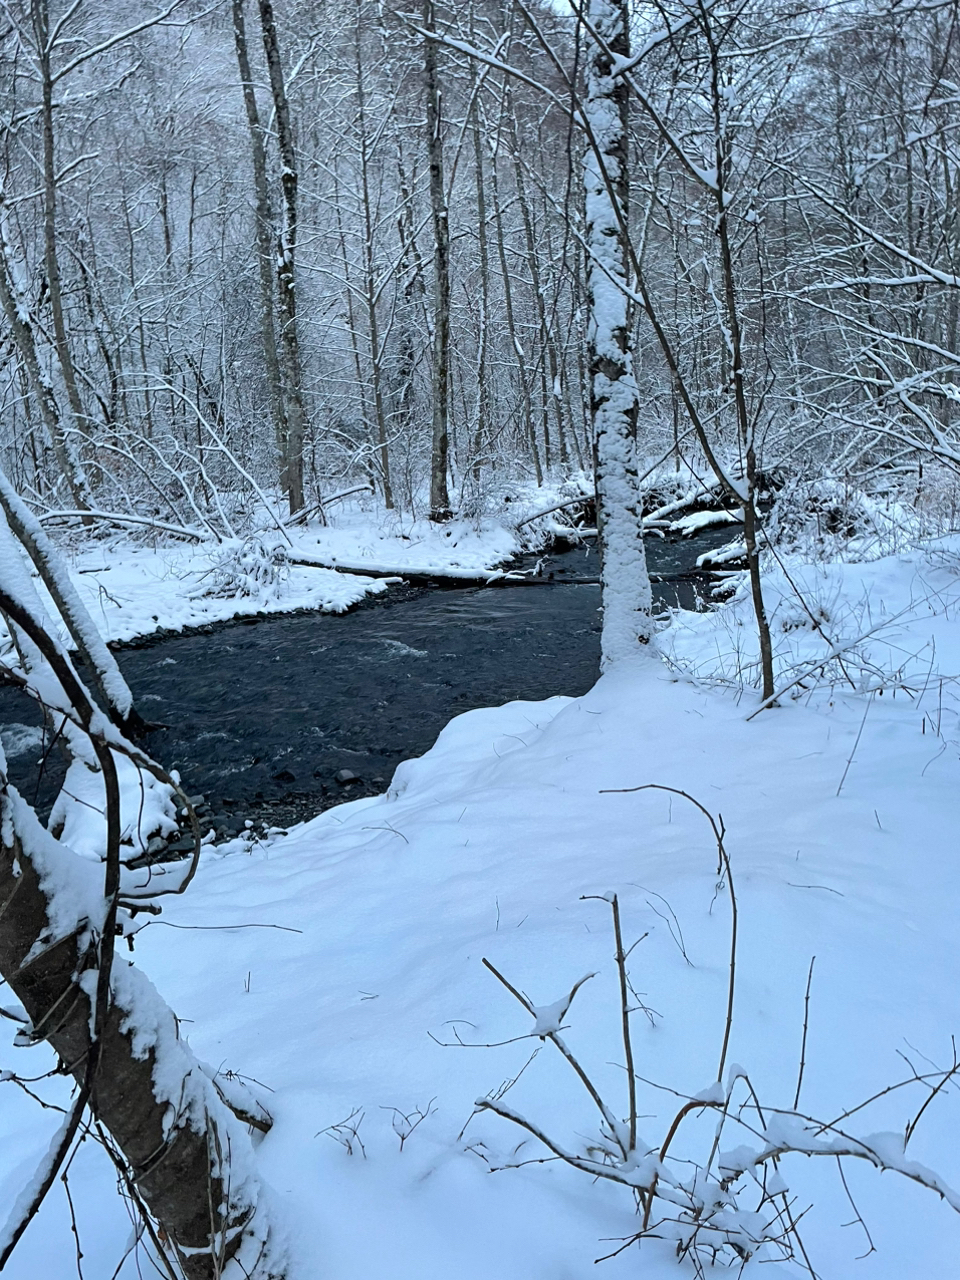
(719,831)
(803,1042)
(853,1206)
(856,744)
(585,1080)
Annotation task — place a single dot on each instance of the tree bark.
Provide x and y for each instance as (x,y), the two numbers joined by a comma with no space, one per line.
(627,599)
(296,415)
(439,493)
(264,233)
(172,1166)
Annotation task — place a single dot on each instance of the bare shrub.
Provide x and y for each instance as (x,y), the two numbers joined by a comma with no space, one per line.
(726,1200)
(253,566)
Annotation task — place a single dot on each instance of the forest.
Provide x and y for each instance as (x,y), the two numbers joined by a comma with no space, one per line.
(479,518)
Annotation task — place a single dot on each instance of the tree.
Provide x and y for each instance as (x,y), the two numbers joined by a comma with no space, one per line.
(627,619)
(265,233)
(180,1147)
(296,415)
(440,446)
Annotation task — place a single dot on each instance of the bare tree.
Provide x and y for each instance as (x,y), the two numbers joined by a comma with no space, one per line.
(265,234)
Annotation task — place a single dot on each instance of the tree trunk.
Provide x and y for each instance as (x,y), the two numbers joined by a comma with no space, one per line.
(412,302)
(296,416)
(173,1146)
(369,276)
(549,371)
(481,426)
(41,28)
(723,146)
(25,527)
(265,233)
(627,620)
(528,431)
(22,330)
(184,1157)
(439,494)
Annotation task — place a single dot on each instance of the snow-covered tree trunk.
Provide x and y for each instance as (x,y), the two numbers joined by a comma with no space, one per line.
(183,1153)
(51,261)
(627,620)
(21,329)
(186,1155)
(439,453)
(529,433)
(370,285)
(115,691)
(481,419)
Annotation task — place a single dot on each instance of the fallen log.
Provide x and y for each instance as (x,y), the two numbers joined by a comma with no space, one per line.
(418,577)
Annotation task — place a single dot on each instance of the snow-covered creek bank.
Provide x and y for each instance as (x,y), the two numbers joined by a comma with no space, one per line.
(261,714)
(339,965)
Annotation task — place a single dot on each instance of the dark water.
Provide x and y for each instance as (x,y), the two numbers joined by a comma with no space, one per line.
(260,716)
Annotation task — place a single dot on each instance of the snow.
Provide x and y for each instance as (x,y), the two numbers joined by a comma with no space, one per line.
(869,626)
(147,807)
(548,1018)
(340,965)
(72,885)
(131,590)
(697,520)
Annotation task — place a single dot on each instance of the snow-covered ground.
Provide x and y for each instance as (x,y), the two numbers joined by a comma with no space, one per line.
(338,966)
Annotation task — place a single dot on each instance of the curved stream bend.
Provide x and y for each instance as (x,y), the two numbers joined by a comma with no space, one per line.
(263,714)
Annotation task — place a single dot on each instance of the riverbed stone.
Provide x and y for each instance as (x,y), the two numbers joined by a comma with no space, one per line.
(183,845)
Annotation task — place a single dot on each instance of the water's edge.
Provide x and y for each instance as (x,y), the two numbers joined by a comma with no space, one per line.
(261,714)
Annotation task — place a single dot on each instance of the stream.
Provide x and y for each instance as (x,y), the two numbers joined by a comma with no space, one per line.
(261,715)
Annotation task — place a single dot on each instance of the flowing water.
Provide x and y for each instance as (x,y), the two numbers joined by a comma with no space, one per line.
(261,715)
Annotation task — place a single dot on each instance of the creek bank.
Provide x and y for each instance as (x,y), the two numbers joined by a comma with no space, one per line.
(275,719)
